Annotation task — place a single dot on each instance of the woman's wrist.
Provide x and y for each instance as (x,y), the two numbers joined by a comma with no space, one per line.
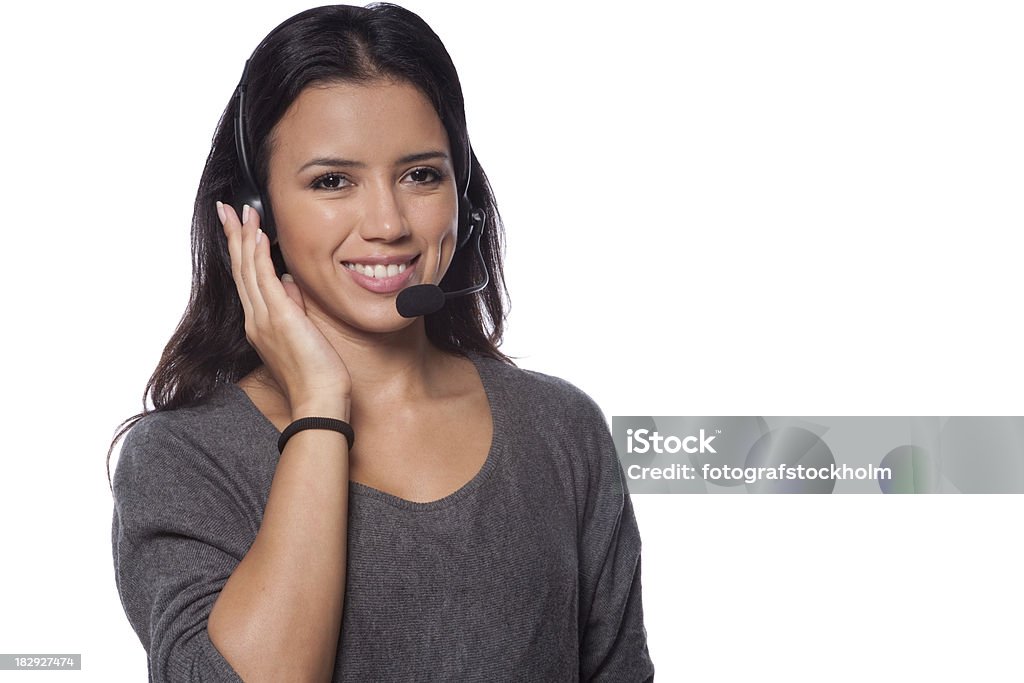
(315,403)
(336,407)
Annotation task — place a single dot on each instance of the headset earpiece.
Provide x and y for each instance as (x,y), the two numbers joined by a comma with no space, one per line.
(469,221)
(470,218)
(255,202)
(249,193)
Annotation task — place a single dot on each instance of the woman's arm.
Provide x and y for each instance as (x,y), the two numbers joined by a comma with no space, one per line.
(278,616)
(613,639)
(184,526)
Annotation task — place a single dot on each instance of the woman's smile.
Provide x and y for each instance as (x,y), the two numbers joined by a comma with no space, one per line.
(382,274)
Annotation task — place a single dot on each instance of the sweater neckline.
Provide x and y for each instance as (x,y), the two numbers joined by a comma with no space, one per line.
(360,490)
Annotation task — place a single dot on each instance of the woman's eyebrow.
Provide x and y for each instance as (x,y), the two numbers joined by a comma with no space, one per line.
(349,163)
(423,156)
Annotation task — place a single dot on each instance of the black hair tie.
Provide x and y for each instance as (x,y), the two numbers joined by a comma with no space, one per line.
(302,423)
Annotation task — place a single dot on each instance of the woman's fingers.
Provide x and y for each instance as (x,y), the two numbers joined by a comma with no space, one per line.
(249,231)
(292,290)
(263,295)
(271,290)
(233,232)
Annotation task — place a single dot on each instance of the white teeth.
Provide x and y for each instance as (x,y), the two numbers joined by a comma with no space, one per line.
(377,271)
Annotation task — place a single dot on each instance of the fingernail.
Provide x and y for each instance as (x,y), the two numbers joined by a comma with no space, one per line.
(245,214)
(259,235)
(220,212)
(287,278)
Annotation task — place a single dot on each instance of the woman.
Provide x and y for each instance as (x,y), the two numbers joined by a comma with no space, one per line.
(476,527)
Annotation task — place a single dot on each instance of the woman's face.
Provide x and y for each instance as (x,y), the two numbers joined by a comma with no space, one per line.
(362,186)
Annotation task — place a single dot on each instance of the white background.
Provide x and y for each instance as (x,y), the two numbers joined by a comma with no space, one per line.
(728,208)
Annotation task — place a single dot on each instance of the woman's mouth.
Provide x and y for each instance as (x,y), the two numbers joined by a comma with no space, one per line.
(382,275)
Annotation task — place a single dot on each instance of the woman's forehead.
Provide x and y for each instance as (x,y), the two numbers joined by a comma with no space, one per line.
(365,122)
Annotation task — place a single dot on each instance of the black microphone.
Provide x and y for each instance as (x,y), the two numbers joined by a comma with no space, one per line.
(418,300)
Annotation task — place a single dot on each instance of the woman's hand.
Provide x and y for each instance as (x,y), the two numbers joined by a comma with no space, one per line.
(295,351)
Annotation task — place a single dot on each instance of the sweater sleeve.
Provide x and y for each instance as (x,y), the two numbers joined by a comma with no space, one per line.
(613,640)
(175,543)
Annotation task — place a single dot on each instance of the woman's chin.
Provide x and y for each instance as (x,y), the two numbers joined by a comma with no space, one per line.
(378,319)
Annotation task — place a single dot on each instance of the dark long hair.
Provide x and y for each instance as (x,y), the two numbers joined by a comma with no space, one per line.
(338,43)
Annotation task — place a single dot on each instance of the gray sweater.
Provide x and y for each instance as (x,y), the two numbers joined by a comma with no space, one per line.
(531,571)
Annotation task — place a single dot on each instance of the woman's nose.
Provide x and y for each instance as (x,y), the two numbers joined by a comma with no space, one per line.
(383,218)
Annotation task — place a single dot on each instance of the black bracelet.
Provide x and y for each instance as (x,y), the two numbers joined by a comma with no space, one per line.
(316,423)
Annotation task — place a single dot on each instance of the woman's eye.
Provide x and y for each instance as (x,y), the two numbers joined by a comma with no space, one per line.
(424,176)
(331,181)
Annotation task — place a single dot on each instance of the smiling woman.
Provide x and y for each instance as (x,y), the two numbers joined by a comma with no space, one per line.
(361,176)
(327,488)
